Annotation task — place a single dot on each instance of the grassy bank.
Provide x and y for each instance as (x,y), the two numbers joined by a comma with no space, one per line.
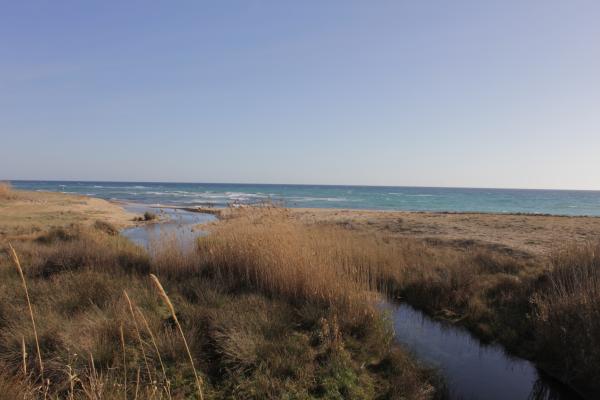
(25,214)
(105,332)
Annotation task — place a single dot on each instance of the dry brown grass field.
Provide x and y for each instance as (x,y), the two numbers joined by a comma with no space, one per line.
(271,305)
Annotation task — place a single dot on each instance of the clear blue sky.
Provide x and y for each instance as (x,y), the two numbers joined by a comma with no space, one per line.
(427,93)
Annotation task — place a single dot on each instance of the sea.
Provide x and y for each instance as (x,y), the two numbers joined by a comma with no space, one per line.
(530,201)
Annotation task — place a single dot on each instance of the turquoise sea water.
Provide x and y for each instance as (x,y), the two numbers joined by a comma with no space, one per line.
(561,202)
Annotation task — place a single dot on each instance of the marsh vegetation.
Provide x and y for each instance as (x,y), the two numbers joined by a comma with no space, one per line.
(269,306)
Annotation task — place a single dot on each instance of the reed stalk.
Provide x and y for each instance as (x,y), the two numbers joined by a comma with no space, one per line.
(24,283)
(139,335)
(163,294)
(24,352)
(122,335)
(153,339)
(137,383)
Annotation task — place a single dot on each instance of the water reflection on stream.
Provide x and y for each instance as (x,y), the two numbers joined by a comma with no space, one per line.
(471,369)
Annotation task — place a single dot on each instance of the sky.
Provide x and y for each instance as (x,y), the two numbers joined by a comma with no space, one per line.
(407,93)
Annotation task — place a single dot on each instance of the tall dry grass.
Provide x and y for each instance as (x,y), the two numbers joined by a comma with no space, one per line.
(567,316)
(269,251)
(265,251)
(234,338)
(17,263)
(6,192)
(163,294)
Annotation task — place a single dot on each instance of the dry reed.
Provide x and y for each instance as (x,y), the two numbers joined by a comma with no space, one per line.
(163,294)
(139,335)
(153,339)
(122,338)
(24,352)
(17,263)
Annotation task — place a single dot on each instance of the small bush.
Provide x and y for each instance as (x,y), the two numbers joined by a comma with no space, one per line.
(60,234)
(106,227)
(149,216)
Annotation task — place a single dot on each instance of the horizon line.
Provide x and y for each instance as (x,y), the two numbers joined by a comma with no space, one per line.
(297,184)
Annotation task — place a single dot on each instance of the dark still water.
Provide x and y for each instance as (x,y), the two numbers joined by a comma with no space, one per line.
(471,369)
(560,202)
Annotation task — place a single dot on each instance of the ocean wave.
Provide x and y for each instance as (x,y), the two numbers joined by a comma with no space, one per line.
(309,199)
(119,187)
(154,193)
(413,195)
(234,194)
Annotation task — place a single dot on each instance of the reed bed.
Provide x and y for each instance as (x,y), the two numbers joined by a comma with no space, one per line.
(107,329)
(567,315)
(268,251)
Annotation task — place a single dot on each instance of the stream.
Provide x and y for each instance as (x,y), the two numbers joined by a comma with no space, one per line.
(472,370)
(173,221)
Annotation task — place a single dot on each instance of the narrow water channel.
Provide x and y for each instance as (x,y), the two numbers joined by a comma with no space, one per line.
(175,222)
(472,370)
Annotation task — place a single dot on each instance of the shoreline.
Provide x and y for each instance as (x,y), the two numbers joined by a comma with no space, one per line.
(408,199)
(533,234)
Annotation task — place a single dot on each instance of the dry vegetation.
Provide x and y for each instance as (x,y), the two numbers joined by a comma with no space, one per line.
(568,315)
(106,330)
(6,192)
(25,214)
(543,309)
(268,306)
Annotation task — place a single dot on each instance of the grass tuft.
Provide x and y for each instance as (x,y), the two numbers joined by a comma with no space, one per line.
(6,191)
